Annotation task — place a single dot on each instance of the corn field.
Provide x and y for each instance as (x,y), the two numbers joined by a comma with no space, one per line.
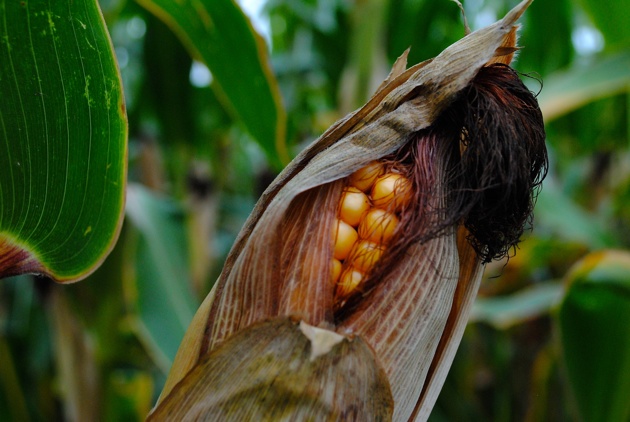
(203,106)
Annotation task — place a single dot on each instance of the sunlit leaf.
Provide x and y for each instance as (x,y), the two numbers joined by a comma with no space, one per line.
(62,139)
(595,334)
(218,33)
(568,90)
(159,286)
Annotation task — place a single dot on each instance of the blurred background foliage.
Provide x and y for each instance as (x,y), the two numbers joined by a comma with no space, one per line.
(549,335)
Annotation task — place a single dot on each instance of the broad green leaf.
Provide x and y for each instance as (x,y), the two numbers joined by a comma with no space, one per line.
(218,33)
(594,322)
(158,287)
(62,139)
(568,90)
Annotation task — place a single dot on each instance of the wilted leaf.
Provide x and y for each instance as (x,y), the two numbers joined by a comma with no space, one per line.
(62,139)
(267,372)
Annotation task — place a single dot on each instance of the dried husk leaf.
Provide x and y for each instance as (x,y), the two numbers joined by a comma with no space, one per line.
(470,273)
(266,372)
(414,318)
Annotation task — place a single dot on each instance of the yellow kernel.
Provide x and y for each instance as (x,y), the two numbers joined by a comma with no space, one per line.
(364,178)
(391,191)
(378,226)
(365,255)
(354,204)
(345,238)
(349,281)
(336,270)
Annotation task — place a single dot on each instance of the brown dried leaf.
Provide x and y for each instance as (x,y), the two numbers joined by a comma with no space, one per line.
(470,273)
(266,372)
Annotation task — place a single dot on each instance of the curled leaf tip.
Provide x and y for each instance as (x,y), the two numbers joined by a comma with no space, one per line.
(322,340)
(461,8)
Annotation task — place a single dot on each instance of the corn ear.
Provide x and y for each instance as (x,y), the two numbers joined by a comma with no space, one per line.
(279,267)
(410,102)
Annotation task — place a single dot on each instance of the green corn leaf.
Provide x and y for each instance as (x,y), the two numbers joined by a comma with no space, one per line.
(158,285)
(558,214)
(62,139)
(569,90)
(506,312)
(218,33)
(595,335)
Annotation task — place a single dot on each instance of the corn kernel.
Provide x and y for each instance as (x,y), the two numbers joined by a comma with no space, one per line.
(354,204)
(365,255)
(345,238)
(365,177)
(391,191)
(349,281)
(336,270)
(378,226)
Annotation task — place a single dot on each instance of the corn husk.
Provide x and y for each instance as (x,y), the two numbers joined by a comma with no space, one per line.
(279,265)
(284,380)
